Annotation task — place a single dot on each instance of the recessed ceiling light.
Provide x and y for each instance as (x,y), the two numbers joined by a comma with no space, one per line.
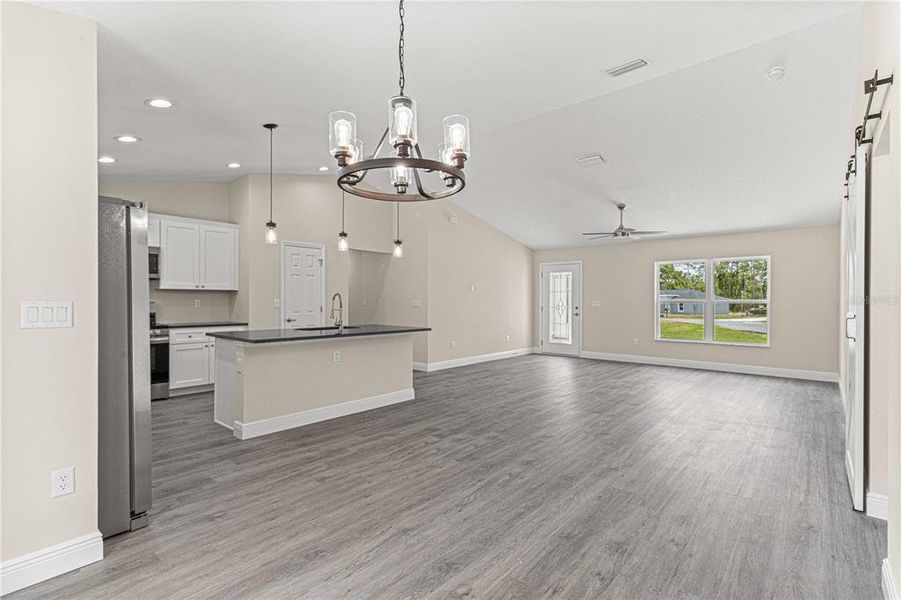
(323,168)
(234,165)
(106,160)
(159,103)
(128,139)
(626,67)
(777,72)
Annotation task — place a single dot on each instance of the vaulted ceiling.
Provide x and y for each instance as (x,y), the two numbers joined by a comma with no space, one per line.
(700,141)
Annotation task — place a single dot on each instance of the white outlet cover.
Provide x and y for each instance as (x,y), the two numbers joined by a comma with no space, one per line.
(416,302)
(62,482)
(336,356)
(276,303)
(196,302)
(453,344)
(595,302)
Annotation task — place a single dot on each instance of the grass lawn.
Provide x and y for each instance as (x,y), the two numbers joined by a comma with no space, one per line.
(695,331)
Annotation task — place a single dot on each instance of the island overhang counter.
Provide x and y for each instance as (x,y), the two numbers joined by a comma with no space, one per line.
(270,380)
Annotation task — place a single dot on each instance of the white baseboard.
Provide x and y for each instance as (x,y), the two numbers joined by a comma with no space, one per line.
(471,360)
(877,506)
(244,431)
(218,422)
(888,582)
(21,572)
(715,366)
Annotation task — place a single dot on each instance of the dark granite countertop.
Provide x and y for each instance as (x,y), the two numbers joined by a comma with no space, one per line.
(202,324)
(267,336)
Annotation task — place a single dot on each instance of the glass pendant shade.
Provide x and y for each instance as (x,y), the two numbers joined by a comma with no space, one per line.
(402,121)
(343,245)
(342,132)
(398,249)
(271,235)
(357,151)
(400,176)
(456,135)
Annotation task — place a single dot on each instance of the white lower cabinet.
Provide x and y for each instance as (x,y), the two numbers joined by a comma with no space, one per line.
(189,365)
(192,356)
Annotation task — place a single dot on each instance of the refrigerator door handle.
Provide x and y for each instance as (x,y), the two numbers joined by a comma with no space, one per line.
(139,344)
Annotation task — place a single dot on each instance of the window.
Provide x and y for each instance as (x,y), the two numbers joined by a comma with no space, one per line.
(721,300)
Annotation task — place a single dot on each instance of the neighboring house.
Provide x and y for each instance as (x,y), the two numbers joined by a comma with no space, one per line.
(681,303)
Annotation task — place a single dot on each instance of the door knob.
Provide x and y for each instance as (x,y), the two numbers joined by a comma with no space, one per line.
(290,320)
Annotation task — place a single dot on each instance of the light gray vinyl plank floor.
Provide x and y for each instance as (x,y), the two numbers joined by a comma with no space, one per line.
(533,477)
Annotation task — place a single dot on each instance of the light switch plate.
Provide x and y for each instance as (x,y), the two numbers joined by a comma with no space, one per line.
(596,302)
(416,302)
(45,315)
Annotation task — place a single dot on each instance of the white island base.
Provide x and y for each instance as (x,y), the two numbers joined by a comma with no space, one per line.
(263,388)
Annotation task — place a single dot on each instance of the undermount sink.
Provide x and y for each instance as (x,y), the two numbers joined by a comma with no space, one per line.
(329,328)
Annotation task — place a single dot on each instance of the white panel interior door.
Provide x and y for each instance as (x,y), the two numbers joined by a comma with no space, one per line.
(559,308)
(303,285)
(218,266)
(179,255)
(855,327)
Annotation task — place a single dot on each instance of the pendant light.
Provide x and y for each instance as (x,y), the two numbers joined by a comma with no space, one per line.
(343,246)
(398,243)
(402,158)
(271,235)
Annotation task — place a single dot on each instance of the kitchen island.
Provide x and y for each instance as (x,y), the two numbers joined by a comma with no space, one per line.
(269,380)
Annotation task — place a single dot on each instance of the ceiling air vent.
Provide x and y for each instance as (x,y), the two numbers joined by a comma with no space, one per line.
(590,160)
(626,67)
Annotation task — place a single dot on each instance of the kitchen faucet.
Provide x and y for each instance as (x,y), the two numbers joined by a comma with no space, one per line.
(339,321)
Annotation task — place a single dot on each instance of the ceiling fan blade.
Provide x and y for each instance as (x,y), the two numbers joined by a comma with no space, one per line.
(601,237)
(598,233)
(637,232)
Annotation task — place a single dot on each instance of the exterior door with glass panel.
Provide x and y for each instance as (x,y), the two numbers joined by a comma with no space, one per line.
(303,285)
(559,308)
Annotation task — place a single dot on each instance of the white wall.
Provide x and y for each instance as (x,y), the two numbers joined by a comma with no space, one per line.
(804,296)
(49,252)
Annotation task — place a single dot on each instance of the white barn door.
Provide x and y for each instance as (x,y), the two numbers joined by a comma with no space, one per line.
(856,327)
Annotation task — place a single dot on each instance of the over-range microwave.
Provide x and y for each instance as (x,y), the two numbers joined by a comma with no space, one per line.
(153,261)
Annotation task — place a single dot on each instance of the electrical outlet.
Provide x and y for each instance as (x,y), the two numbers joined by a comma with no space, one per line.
(62,482)
(336,356)
(453,344)
(196,302)
(508,337)
(276,303)
(474,288)
(596,302)
(416,302)
(634,341)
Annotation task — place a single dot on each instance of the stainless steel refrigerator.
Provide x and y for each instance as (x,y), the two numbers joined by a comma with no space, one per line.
(124,369)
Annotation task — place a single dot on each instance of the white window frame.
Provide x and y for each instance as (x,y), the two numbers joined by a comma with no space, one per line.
(710,300)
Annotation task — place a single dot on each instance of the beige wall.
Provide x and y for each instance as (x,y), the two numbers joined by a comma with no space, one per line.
(804,296)
(479,286)
(49,252)
(198,200)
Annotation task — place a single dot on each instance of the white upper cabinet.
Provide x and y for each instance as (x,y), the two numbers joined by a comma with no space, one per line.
(218,257)
(197,255)
(153,231)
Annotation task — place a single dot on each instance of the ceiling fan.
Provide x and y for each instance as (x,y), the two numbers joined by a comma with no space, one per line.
(622,231)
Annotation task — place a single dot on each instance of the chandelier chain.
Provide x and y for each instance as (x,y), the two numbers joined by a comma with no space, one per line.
(271,130)
(401,81)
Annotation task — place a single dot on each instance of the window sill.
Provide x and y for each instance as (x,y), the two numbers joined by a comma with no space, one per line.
(713,343)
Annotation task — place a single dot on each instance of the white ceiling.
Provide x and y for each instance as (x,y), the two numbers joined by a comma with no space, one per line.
(700,141)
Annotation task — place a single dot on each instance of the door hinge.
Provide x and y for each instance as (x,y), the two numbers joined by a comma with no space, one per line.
(320,308)
(321,261)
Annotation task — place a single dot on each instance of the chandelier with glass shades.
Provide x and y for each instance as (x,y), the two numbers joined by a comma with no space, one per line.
(402,175)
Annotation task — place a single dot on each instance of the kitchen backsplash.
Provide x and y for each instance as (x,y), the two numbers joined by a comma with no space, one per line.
(179,306)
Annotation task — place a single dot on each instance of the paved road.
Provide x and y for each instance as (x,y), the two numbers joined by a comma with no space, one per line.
(752,324)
